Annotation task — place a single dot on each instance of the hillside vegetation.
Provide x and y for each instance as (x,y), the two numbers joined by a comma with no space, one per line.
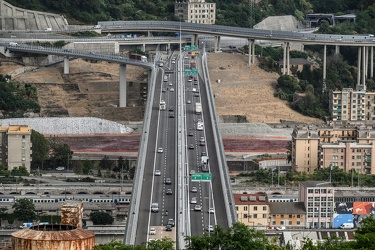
(229,12)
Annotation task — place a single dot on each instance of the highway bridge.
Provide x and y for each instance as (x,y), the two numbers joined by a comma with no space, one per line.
(175,131)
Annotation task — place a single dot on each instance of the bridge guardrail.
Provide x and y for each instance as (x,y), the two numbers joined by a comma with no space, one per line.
(224,174)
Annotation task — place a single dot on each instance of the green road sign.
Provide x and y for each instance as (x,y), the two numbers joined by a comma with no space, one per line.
(193,47)
(187,47)
(187,71)
(194,71)
(201,177)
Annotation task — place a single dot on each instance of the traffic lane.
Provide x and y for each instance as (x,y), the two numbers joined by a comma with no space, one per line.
(144,209)
(217,187)
(196,215)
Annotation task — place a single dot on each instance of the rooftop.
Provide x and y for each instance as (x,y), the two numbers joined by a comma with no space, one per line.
(250,199)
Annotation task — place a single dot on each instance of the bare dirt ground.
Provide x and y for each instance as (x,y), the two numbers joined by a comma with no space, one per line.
(248,91)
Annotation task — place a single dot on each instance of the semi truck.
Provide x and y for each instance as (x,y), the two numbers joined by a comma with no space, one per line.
(138,57)
(198,108)
(193,65)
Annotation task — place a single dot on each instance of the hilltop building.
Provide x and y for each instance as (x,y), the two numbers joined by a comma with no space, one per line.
(15,146)
(195,11)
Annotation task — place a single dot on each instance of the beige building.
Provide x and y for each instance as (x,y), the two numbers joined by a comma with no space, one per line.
(305,144)
(16,146)
(318,199)
(195,11)
(252,209)
(287,214)
(345,147)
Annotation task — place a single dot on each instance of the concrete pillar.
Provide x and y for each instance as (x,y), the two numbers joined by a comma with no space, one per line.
(288,58)
(324,64)
(194,39)
(372,61)
(337,49)
(364,67)
(66,65)
(284,58)
(149,34)
(122,97)
(253,52)
(144,47)
(359,66)
(217,44)
(250,47)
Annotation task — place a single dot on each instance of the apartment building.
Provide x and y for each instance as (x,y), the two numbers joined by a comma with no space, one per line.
(287,214)
(195,11)
(317,198)
(305,145)
(348,148)
(15,146)
(350,106)
(252,209)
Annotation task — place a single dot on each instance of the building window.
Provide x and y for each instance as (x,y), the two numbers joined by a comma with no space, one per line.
(317,191)
(282,216)
(255,208)
(255,216)
(264,216)
(290,223)
(245,208)
(290,216)
(310,191)
(245,216)
(264,208)
(236,208)
(298,222)
(298,216)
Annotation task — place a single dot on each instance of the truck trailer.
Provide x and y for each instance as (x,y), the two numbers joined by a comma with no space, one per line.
(138,57)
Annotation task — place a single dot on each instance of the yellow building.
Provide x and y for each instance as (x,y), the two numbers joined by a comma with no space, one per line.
(305,145)
(346,147)
(16,146)
(252,209)
(287,214)
(195,11)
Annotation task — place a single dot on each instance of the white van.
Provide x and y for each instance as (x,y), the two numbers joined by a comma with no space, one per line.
(13,44)
(347,226)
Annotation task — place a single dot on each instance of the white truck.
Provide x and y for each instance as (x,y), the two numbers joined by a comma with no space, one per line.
(347,226)
(198,108)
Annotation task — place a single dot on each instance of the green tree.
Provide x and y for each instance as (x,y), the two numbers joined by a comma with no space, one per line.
(87,167)
(78,168)
(61,153)
(19,171)
(40,147)
(24,209)
(238,236)
(105,163)
(101,218)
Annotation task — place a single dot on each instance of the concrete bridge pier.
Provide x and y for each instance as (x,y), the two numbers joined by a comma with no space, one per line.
(194,40)
(144,47)
(250,45)
(66,65)
(253,51)
(372,61)
(122,92)
(359,66)
(337,49)
(288,58)
(284,58)
(217,44)
(364,67)
(324,66)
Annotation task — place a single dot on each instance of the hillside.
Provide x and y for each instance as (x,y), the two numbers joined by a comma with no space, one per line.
(92,90)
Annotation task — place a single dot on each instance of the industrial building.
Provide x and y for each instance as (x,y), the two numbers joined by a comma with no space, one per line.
(195,11)
(15,150)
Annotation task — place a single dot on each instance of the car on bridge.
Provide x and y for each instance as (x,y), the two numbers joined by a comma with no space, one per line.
(152,231)
(210,228)
(171,222)
(193,200)
(168,227)
(168,181)
(197,208)
(160,150)
(169,191)
(194,189)
(157,172)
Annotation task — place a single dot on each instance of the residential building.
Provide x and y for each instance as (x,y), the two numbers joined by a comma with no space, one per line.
(305,145)
(252,209)
(348,148)
(15,146)
(317,198)
(287,214)
(195,11)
